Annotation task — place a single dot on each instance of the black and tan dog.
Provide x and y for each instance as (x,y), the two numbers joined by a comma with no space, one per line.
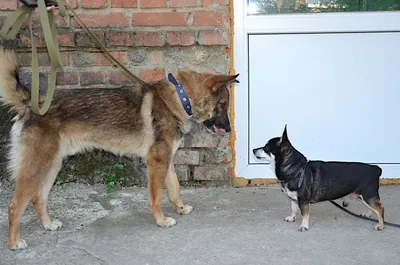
(147,120)
(306,182)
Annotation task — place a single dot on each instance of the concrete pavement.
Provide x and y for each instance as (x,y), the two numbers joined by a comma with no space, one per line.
(228,226)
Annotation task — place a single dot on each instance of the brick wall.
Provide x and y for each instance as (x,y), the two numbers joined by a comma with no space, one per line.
(151,37)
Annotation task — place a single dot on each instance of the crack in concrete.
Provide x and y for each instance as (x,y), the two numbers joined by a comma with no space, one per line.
(100,260)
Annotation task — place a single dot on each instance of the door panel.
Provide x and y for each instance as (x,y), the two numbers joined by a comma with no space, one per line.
(338,93)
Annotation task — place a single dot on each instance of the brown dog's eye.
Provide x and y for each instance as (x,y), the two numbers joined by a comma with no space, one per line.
(223,105)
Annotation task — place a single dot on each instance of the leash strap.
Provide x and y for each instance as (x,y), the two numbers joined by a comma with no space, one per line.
(362,217)
(182,95)
(48,25)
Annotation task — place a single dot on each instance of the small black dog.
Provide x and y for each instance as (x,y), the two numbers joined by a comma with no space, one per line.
(306,182)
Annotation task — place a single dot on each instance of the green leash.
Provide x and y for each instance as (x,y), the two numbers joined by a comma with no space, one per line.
(17,18)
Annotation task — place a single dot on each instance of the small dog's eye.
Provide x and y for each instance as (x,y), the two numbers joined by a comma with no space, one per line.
(223,105)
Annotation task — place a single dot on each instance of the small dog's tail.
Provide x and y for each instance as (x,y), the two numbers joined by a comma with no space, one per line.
(12,93)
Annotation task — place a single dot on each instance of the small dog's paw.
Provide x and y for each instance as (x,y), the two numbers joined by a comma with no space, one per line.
(166,222)
(186,209)
(366,214)
(290,219)
(55,225)
(303,228)
(379,227)
(19,246)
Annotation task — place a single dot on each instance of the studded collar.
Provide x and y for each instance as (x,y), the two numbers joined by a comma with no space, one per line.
(182,95)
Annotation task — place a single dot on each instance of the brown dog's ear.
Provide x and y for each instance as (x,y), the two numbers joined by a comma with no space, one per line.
(215,82)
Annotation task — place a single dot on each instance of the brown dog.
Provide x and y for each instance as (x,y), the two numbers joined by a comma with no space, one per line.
(146,120)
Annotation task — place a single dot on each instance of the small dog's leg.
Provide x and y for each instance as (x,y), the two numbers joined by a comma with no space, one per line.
(158,160)
(174,192)
(305,213)
(39,201)
(376,206)
(295,211)
(367,212)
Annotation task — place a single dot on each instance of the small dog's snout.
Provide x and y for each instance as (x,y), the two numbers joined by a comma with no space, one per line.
(254,151)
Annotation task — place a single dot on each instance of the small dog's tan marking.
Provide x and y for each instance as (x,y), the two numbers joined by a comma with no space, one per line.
(306,218)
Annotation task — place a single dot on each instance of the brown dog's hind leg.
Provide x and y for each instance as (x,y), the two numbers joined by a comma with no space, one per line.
(29,178)
(174,192)
(34,153)
(39,201)
(158,160)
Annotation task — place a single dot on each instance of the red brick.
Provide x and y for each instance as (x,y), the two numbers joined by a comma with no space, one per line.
(183,172)
(72,3)
(182,3)
(110,20)
(25,41)
(149,39)
(6,5)
(213,37)
(218,155)
(212,172)
(123,3)
(25,59)
(155,57)
(183,38)
(67,78)
(203,139)
(98,59)
(120,78)
(92,78)
(160,19)
(187,157)
(121,38)
(94,4)
(153,3)
(210,18)
(150,75)
(66,39)
(216,2)
(61,22)
(83,39)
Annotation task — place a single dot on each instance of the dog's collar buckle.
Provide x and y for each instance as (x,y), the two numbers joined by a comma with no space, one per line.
(187,106)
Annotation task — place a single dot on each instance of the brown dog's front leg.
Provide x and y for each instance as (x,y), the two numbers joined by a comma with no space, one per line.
(158,160)
(174,192)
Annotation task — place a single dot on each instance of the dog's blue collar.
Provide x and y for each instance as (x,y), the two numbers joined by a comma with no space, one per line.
(182,95)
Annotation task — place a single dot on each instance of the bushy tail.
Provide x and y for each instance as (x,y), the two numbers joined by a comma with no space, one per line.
(12,93)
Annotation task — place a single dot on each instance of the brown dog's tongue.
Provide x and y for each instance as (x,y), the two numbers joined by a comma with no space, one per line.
(216,129)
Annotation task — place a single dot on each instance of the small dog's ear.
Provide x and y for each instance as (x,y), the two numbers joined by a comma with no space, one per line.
(215,82)
(284,137)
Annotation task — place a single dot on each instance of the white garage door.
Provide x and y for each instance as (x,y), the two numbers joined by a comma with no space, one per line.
(333,78)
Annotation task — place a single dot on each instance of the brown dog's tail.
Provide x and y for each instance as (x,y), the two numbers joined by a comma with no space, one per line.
(12,93)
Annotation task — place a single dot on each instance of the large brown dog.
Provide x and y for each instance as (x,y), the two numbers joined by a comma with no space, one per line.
(147,120)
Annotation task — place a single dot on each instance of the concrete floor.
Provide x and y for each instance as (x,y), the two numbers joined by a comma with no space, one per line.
(228,226)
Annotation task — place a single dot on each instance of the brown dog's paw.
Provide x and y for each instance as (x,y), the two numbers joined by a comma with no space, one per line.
(53,226)
(19,246)
(303,228)
(186,209)
(379,227)
(166,222)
